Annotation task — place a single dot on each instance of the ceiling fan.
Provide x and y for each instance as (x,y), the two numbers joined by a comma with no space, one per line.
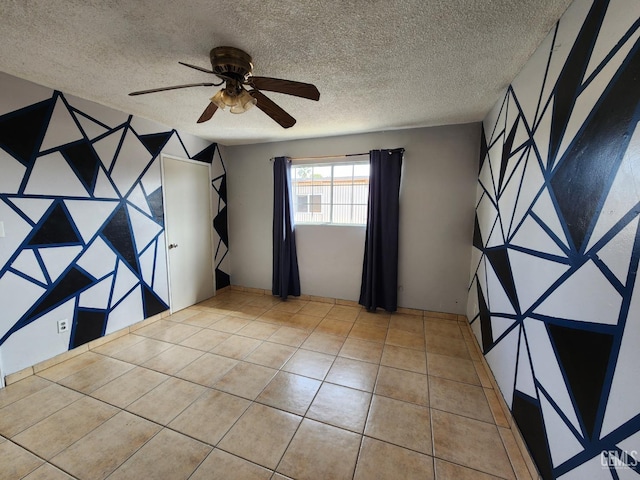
(234,67)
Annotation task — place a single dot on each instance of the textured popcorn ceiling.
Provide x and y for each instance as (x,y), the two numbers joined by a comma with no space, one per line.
(379,64)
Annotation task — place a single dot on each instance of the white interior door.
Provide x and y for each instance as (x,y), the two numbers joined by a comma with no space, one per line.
(187,204)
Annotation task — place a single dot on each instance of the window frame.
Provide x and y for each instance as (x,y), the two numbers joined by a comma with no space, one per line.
(311,162)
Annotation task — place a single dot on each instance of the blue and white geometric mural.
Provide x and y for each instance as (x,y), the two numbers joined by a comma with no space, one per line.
(554,297)
(81,204)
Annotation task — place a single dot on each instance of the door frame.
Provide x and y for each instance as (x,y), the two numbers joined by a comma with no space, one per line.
(164,156)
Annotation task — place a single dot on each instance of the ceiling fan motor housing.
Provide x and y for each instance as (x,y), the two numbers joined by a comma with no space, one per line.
(231,62)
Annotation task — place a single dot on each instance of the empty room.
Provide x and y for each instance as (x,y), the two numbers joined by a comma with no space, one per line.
(320,240)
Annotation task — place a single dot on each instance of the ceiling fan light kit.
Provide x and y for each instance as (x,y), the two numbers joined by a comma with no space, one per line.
(234,67)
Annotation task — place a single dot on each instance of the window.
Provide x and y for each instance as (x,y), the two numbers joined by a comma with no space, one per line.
(334,193)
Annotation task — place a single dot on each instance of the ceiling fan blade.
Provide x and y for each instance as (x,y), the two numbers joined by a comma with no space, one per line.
(205,70)
(208,112)
(162,89)
(289,87)
(274,111)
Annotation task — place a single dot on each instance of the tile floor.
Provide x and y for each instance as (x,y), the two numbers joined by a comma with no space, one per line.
(244,386)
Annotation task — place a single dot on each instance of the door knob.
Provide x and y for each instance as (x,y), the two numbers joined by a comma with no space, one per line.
(173,245)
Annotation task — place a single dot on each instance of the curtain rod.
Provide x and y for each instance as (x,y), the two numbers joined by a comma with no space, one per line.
(345,155)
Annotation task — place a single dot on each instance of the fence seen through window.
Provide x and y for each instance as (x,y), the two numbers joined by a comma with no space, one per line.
(331,193)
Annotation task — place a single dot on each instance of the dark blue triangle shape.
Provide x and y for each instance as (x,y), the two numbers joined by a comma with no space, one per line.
(570,78)
(206,154)
(84,161)
(22,131)
(89,325)
(154,200)
(584,357)
(528,415)
(585,173)
(118,233)
(154,142)
(506,152)
(499,259)
(56,228)
(485,321)
(220,226)
(151,303)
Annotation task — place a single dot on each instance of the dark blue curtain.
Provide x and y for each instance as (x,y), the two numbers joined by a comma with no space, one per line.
(379,287)
(286,278)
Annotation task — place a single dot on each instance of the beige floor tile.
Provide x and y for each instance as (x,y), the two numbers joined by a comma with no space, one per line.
(403,385)
(230,324)
(154,328)
(402,338)
(176,333)
(46,472)
(377,319)
(258,330)
(443,328)
(104,449)
(248,312)
(23,388)
(16,462)
(317,309)
(289,306)
(370,333)
(265,301)
(141,351)
(382,460)
(332,326)
(69,367)
(481,371)
(168,455)
(202,319)
(362,350)
(404,359)
(343,312)
(294,337)
(464,441)
(167,400)
(453,347)
(207,369)
(321,342)
(275,316)
(400,423)
(20,415)
(451,471)
(293,393)
(459,398)
(353,373)
(53,434)
(303,322)
(340,406)
(205,340)
(261,435)
(236,347)
(118,344)
(246,380)
(210,417)
(514,453)
(220,465)
(96,375)
(453,368)
(407,323)
(499,416)
(310,364)
(271,355)
(173,359)
(182,315)
(320,451)
(127,388)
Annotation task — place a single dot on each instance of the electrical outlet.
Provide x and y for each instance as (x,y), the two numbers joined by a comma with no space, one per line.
(63,325)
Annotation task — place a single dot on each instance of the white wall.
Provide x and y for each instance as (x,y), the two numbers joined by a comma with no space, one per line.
(436,217)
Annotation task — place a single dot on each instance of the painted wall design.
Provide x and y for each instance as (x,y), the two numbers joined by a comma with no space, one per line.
(81,204)
(554,297)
